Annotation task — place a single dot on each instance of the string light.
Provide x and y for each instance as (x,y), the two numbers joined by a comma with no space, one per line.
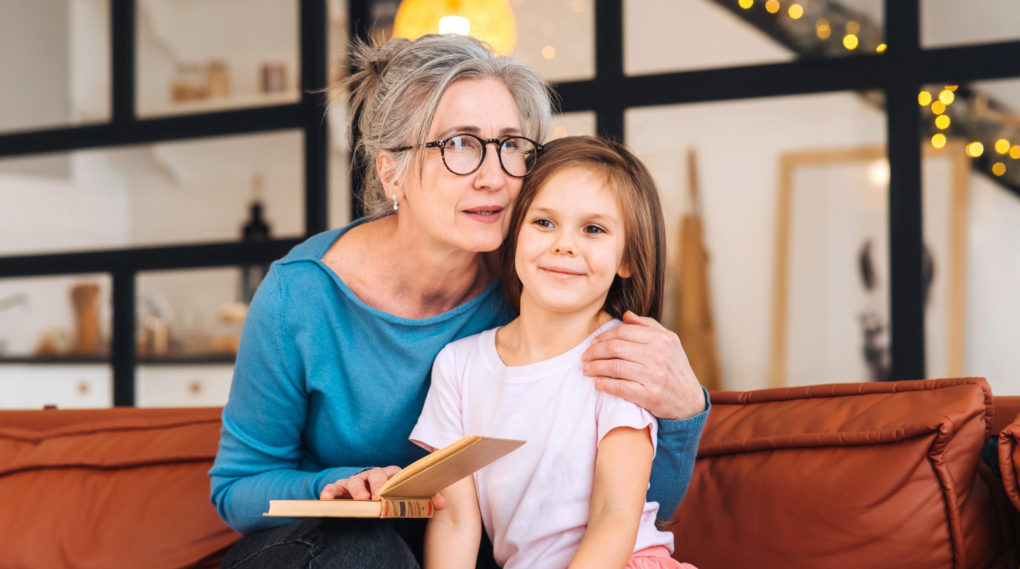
(942,122)
(947,97)
(924,98)
(822,29)
(796,11)
(850,42)
(881,48)
(745,4)
(975,149)
(938,140)
(998,168)
(938,107)
(1014,152)
(772,6)
(1002,146)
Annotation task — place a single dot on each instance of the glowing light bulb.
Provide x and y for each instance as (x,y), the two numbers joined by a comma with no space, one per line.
(998,168)
(881,48)
(938,107)
(745,4)
(938,140)
(454,25)
(924,98)
(1014,152)
(772,6)
(942,121)
(975,149)
(796,11)
(1002,146)
(947,97)
(850,41)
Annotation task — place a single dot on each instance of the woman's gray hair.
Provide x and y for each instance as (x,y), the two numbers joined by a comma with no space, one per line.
(396,88)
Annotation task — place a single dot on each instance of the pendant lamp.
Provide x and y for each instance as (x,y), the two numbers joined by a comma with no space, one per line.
(491,21)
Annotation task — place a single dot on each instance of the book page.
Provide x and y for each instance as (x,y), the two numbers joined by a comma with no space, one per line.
(432,473)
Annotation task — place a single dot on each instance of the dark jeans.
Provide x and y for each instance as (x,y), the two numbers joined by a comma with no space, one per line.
(318,543)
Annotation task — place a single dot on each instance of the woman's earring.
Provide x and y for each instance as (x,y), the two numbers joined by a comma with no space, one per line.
(396,205)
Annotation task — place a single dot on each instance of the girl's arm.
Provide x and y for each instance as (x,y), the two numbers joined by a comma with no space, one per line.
(622,467)
(453,533)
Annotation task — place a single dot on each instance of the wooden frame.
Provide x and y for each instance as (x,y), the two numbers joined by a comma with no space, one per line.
(840,170)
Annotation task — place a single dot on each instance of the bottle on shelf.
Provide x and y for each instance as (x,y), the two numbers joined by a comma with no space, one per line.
(255,230)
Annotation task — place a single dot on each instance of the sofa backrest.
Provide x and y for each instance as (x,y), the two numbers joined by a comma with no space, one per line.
(109,488)
(877,475)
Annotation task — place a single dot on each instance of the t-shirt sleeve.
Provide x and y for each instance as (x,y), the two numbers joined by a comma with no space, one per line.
(613,412)
(441,420)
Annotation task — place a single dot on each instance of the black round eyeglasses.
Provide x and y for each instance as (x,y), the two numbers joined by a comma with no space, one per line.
(463,154)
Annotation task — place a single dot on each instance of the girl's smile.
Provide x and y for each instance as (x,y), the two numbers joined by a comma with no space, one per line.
(570,247)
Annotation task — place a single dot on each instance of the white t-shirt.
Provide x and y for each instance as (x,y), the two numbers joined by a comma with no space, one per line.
(534,502)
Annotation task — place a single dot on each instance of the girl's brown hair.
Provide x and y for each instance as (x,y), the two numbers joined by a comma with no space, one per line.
(644,229)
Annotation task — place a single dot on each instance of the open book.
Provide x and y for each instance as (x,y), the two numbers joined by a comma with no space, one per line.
(408,493)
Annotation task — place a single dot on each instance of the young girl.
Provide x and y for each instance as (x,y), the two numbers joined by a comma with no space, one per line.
(586,244)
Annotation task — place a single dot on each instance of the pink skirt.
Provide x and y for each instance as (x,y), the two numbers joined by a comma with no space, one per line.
(656,557)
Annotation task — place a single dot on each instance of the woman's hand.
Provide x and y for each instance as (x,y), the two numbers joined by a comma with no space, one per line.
(643,362)
(366,485)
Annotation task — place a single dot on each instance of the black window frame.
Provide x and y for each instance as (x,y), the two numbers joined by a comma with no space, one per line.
(900,73)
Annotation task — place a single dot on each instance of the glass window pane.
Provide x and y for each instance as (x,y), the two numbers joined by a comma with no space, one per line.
(54,63)
(573,124)
(193,314)
(55,318)
(735,154)
(215,55)
(339,150)
(974,234)
(662,36)
(557,38)
(157,194)
(950,22)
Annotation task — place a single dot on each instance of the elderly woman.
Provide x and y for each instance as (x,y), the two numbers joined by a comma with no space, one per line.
(336,351)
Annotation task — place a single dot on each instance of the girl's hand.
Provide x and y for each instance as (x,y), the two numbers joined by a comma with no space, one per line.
(643,362)
(366,485)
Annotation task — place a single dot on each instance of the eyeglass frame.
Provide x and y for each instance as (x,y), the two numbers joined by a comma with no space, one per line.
(441,145)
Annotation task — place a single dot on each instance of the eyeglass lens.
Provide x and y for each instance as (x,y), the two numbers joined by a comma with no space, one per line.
(464,153)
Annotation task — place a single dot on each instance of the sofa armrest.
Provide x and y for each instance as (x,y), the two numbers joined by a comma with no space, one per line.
(878,475)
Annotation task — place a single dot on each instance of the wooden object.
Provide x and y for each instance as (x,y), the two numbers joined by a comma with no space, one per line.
(693,315)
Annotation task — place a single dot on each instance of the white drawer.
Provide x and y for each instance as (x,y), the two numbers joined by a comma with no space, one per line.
(69,387)
(183,386)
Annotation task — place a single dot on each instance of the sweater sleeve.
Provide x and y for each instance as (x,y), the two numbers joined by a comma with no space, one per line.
(259,455)
(674,460)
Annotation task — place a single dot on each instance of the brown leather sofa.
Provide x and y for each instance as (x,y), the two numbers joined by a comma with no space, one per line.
(849,475)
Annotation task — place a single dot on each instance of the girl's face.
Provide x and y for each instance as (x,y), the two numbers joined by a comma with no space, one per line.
(466,213)
(570,245)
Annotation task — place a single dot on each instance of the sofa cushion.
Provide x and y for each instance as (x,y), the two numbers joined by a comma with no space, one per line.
(1009,460)
(849,475)
(109,488)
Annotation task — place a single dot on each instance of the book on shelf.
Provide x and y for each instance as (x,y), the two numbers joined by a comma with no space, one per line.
(408,493)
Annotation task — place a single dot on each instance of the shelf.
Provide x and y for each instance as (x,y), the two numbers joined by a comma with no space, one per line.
(192,359)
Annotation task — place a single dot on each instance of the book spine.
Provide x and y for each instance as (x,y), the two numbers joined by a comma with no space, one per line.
(406,508)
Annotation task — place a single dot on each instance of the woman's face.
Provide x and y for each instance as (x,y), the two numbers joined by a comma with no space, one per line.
(472,212)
